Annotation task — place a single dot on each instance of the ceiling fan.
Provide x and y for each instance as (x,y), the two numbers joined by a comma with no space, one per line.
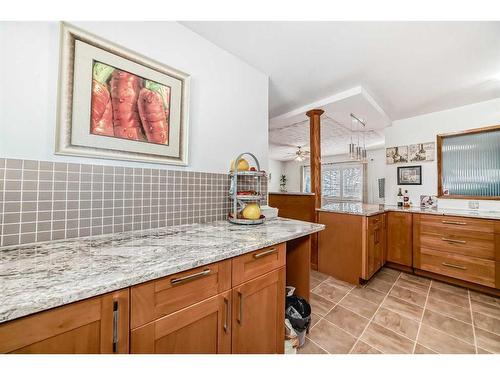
(300,154)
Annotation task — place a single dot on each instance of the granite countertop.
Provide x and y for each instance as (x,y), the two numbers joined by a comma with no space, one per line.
(363,209)
(41,276)
(289,193)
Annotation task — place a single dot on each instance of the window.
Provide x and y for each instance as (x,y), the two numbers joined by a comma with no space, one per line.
(339,181)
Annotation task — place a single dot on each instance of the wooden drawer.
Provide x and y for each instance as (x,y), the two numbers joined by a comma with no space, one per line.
(154,299)
(476,270)
(469,243)
(376,220)
(455,225)
(257,263)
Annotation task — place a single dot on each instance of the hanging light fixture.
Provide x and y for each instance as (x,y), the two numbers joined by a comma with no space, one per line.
(359,151)
(352,147)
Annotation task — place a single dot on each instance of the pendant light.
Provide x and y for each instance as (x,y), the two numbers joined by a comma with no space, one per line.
(359,152)
(352,147)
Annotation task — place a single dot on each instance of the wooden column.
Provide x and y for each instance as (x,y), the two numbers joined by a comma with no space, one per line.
(315,149)
(315,153)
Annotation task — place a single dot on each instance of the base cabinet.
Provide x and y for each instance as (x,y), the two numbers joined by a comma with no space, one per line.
(399,238)
(96,325)
(203,328)
(259,315)
(375,246)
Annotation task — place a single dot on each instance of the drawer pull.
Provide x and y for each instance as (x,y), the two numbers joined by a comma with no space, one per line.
(265,253)
(454,222)
(454,266)
(115,326)
(453,240)
(188,278)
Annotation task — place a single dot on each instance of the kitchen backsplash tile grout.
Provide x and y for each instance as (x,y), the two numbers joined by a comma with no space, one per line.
(42,201)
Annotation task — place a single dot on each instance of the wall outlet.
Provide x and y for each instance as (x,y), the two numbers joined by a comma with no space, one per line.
(474,205)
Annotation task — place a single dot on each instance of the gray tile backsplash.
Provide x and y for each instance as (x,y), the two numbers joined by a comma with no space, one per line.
(42,201)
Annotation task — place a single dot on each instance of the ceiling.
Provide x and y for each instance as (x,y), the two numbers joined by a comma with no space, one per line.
(409,68)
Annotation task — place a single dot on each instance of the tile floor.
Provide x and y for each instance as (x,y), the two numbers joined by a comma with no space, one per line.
(396,312)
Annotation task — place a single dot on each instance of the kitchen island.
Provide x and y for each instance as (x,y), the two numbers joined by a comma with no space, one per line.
(206,258)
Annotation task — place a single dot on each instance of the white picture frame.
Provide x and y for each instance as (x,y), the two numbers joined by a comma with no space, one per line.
(78,50)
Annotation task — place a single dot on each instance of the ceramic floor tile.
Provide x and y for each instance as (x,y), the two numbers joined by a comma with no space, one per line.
(363,348)
(450,288)
(408,295)
(339,283)
(385,340)
(368,294)
(488,341)
(310,348)
(314,319)
(441,342)
(397,323)
(318,275)
(449,325)
(330,292)
(475,296)
(461,301)
(347,320)
(486,322)
(404,308)
(359,306)
(379,285)
(420,349)
(388,278)
(486,309)
(415,278)
(313,283)
(445,308)
(482,351)
(331,338)
(320,305)
(412,285)
(390,271)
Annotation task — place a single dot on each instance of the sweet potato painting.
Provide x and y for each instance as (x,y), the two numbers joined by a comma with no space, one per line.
(125,105)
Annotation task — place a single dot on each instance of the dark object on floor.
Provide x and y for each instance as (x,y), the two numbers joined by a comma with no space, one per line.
(298,312)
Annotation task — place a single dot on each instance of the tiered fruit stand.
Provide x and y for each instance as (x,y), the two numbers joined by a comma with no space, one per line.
(239,201)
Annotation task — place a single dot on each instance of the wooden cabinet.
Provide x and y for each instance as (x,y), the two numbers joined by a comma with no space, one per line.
(95,325)
(461,248)
(203,328)
(259,315)
(375,246)
(399,238)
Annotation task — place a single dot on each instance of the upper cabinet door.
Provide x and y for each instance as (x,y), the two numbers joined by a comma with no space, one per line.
(399,238)
(96,325)
(259,315)
(203,328)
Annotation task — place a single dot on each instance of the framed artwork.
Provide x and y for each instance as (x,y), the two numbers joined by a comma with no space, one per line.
(428,201)
(397,154)
(117,104)
(410,175)
(422,152)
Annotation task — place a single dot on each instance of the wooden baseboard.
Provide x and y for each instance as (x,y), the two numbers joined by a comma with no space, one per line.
(399,267)
(462,283)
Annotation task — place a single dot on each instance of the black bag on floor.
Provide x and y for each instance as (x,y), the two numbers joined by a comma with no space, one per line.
(298,312)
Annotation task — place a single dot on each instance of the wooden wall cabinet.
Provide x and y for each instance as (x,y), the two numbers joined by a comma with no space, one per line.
(95,325)
(400,238)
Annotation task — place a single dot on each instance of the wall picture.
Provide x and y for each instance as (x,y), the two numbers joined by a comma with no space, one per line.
(428,201)
(422,152)
(397,154)
(117,104)
(410,175)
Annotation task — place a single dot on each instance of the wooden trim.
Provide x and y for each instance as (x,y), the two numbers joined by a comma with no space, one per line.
(399,267)
(439,145)
(315,153)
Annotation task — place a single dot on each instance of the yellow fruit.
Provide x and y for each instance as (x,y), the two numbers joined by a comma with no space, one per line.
(251,211)
(242,165)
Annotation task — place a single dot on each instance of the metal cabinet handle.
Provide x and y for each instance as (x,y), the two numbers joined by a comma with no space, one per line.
(452,240)
(115,326)
(454,222)
(194,276)
(240,309)
(226,315)
(265,253)
(454,266)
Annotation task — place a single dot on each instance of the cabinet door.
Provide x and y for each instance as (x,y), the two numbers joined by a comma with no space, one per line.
(375,246)
(96,325)
(399,238)
(203,328)
(259,315)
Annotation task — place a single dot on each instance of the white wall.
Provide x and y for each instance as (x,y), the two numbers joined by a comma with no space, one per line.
(376,170)
(275,170)
(424,129)
(229,99)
